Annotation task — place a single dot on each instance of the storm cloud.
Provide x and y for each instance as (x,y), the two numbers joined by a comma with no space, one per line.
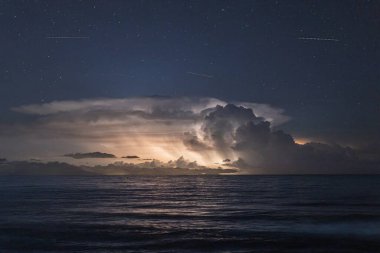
(235,131)
(160,127)
(244,135)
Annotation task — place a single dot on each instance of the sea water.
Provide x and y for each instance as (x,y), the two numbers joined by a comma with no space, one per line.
(190,214)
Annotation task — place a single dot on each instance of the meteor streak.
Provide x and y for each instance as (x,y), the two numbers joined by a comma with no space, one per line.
(67,37)
(200,75)
(318,39)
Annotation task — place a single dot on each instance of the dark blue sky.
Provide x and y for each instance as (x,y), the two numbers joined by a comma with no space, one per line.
(249,50)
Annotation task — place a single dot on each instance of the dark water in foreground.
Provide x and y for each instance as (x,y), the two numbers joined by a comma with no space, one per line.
(190,214)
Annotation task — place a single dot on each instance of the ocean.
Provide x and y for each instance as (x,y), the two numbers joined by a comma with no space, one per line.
(190,214)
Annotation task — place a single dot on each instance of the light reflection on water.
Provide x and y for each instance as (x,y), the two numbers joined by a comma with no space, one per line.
(190,214)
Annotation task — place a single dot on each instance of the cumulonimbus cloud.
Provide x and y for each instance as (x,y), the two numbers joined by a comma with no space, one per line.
(206,130)
(146,126)
(235,131)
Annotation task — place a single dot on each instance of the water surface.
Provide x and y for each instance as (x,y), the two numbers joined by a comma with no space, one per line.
(190,214)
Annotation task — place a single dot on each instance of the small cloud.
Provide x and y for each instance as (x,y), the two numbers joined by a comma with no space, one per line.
(227,160)
(130,157)
(90,155)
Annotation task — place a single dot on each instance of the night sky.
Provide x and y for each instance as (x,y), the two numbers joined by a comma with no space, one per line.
(317,60)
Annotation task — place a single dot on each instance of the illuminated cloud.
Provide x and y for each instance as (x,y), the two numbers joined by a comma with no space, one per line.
(235,131)
(206,130)
(154,106)
(160,127)
(179,166)
(145,107)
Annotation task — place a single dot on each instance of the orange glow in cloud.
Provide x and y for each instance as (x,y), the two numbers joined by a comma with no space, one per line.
(301,141)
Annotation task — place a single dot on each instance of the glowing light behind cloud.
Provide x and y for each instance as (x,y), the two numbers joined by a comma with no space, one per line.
(150,127)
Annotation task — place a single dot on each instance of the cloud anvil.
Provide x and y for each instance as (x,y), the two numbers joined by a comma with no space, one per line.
(205,130)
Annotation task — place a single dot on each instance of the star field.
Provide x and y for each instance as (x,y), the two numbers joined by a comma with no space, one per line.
(68,50)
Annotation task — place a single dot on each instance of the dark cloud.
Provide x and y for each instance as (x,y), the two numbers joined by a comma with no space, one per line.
(193,143)
(220,124)
(131,157)
(153,167)
(234,130)
(90,155)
